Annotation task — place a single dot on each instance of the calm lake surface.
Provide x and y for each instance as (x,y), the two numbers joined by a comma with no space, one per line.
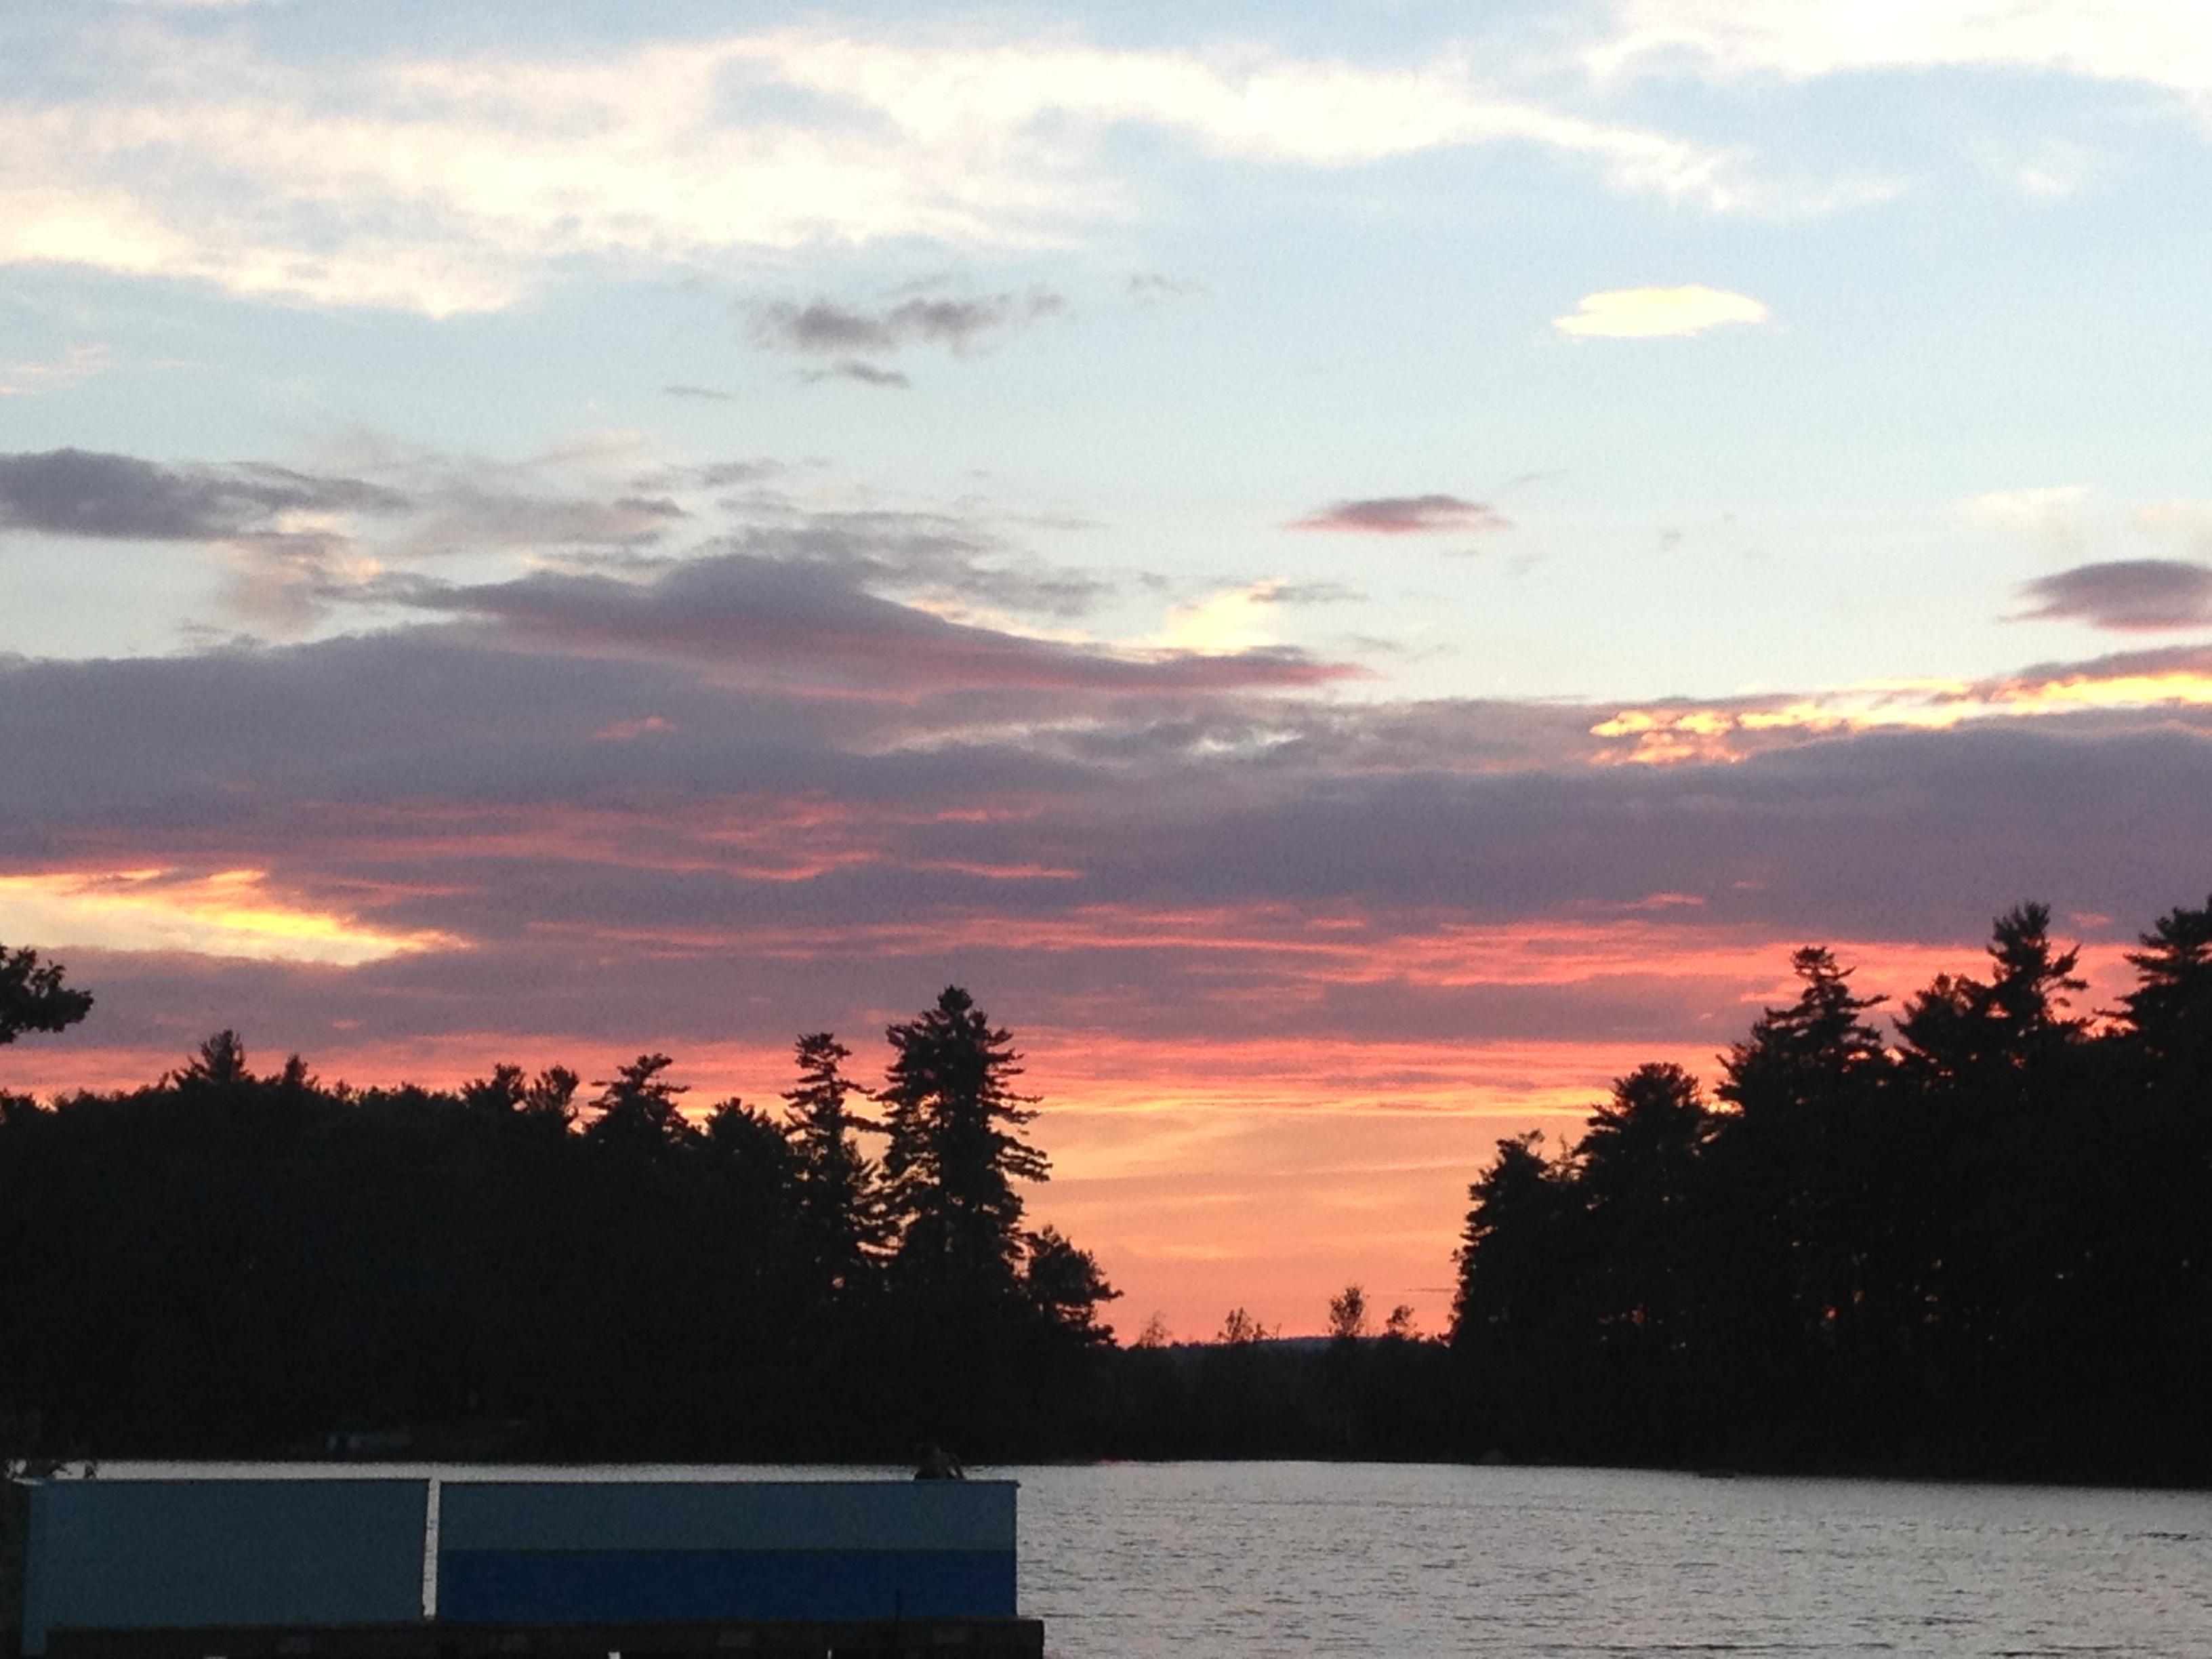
(1241,1560)
(1415,1561)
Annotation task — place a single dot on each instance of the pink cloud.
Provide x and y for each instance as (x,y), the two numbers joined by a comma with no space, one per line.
(1404,515)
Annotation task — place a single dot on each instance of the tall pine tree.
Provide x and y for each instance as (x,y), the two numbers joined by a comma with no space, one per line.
(956,1150)
(841,1201)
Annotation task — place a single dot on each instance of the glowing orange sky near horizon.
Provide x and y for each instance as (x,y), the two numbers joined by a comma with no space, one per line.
(1207,1173)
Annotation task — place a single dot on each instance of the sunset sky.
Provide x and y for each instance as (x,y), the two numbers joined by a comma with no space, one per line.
(1350,575)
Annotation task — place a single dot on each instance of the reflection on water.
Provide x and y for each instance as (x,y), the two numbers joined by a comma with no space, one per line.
(1419,1561)
(1410,1561)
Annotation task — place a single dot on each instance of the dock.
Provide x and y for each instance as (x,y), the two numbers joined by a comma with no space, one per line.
(479,1564)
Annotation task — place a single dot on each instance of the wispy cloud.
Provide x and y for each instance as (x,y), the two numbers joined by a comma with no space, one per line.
(2158,43)
(1651,314)
(1152,287)
(2048,172)
(867,373)
(1404,515)
(2051,515)
(2188,521)
(706,393)
(445,185)
(76,363)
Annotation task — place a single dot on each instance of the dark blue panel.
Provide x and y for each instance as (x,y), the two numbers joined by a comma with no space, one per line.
(543,1586)
(593,1515)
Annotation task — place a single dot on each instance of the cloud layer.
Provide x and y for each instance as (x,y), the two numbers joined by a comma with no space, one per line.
(445,186)
(1230,915)
(800,764)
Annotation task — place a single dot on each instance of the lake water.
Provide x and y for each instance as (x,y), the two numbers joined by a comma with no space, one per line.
(1237,1561)
(1415,1561)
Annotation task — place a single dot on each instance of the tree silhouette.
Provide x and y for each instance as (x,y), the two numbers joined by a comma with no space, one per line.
(226,1264)
(1633,1171)
(1796,1057)
(954,1120)
(220,1062)
(1986,1251)
(847,1221)
(1638,1151)
(497,1094)
(637,1107)
(33,997)
(550,1100)
(1347,1315)
(1513,1255)
(2171,1007)
(1065,1287)
(1794,1170)
(1239,1329)
(757,1158)
(1974,1033)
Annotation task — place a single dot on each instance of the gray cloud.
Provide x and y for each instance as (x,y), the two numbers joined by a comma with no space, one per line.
(825,328)
(2125,595)
(284,574)
(684,390)
(432,509)
(711,474)
(76,492)
(462,515)
(1401,515)
(2191,659)
(1304,593)
(867,373)
(776,850)
(923,555)
(1151,287)
(744,614)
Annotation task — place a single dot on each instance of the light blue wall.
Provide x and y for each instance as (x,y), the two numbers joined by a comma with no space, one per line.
(143,1554)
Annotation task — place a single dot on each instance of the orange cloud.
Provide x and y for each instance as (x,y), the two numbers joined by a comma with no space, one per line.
(230,912)
(1671,733)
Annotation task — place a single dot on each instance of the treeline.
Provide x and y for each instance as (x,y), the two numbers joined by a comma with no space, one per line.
(1969,1236)
(1249,1392)
(227,1263)
(1979,1242)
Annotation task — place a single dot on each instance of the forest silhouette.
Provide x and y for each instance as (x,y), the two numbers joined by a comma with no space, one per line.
(1973,1239)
